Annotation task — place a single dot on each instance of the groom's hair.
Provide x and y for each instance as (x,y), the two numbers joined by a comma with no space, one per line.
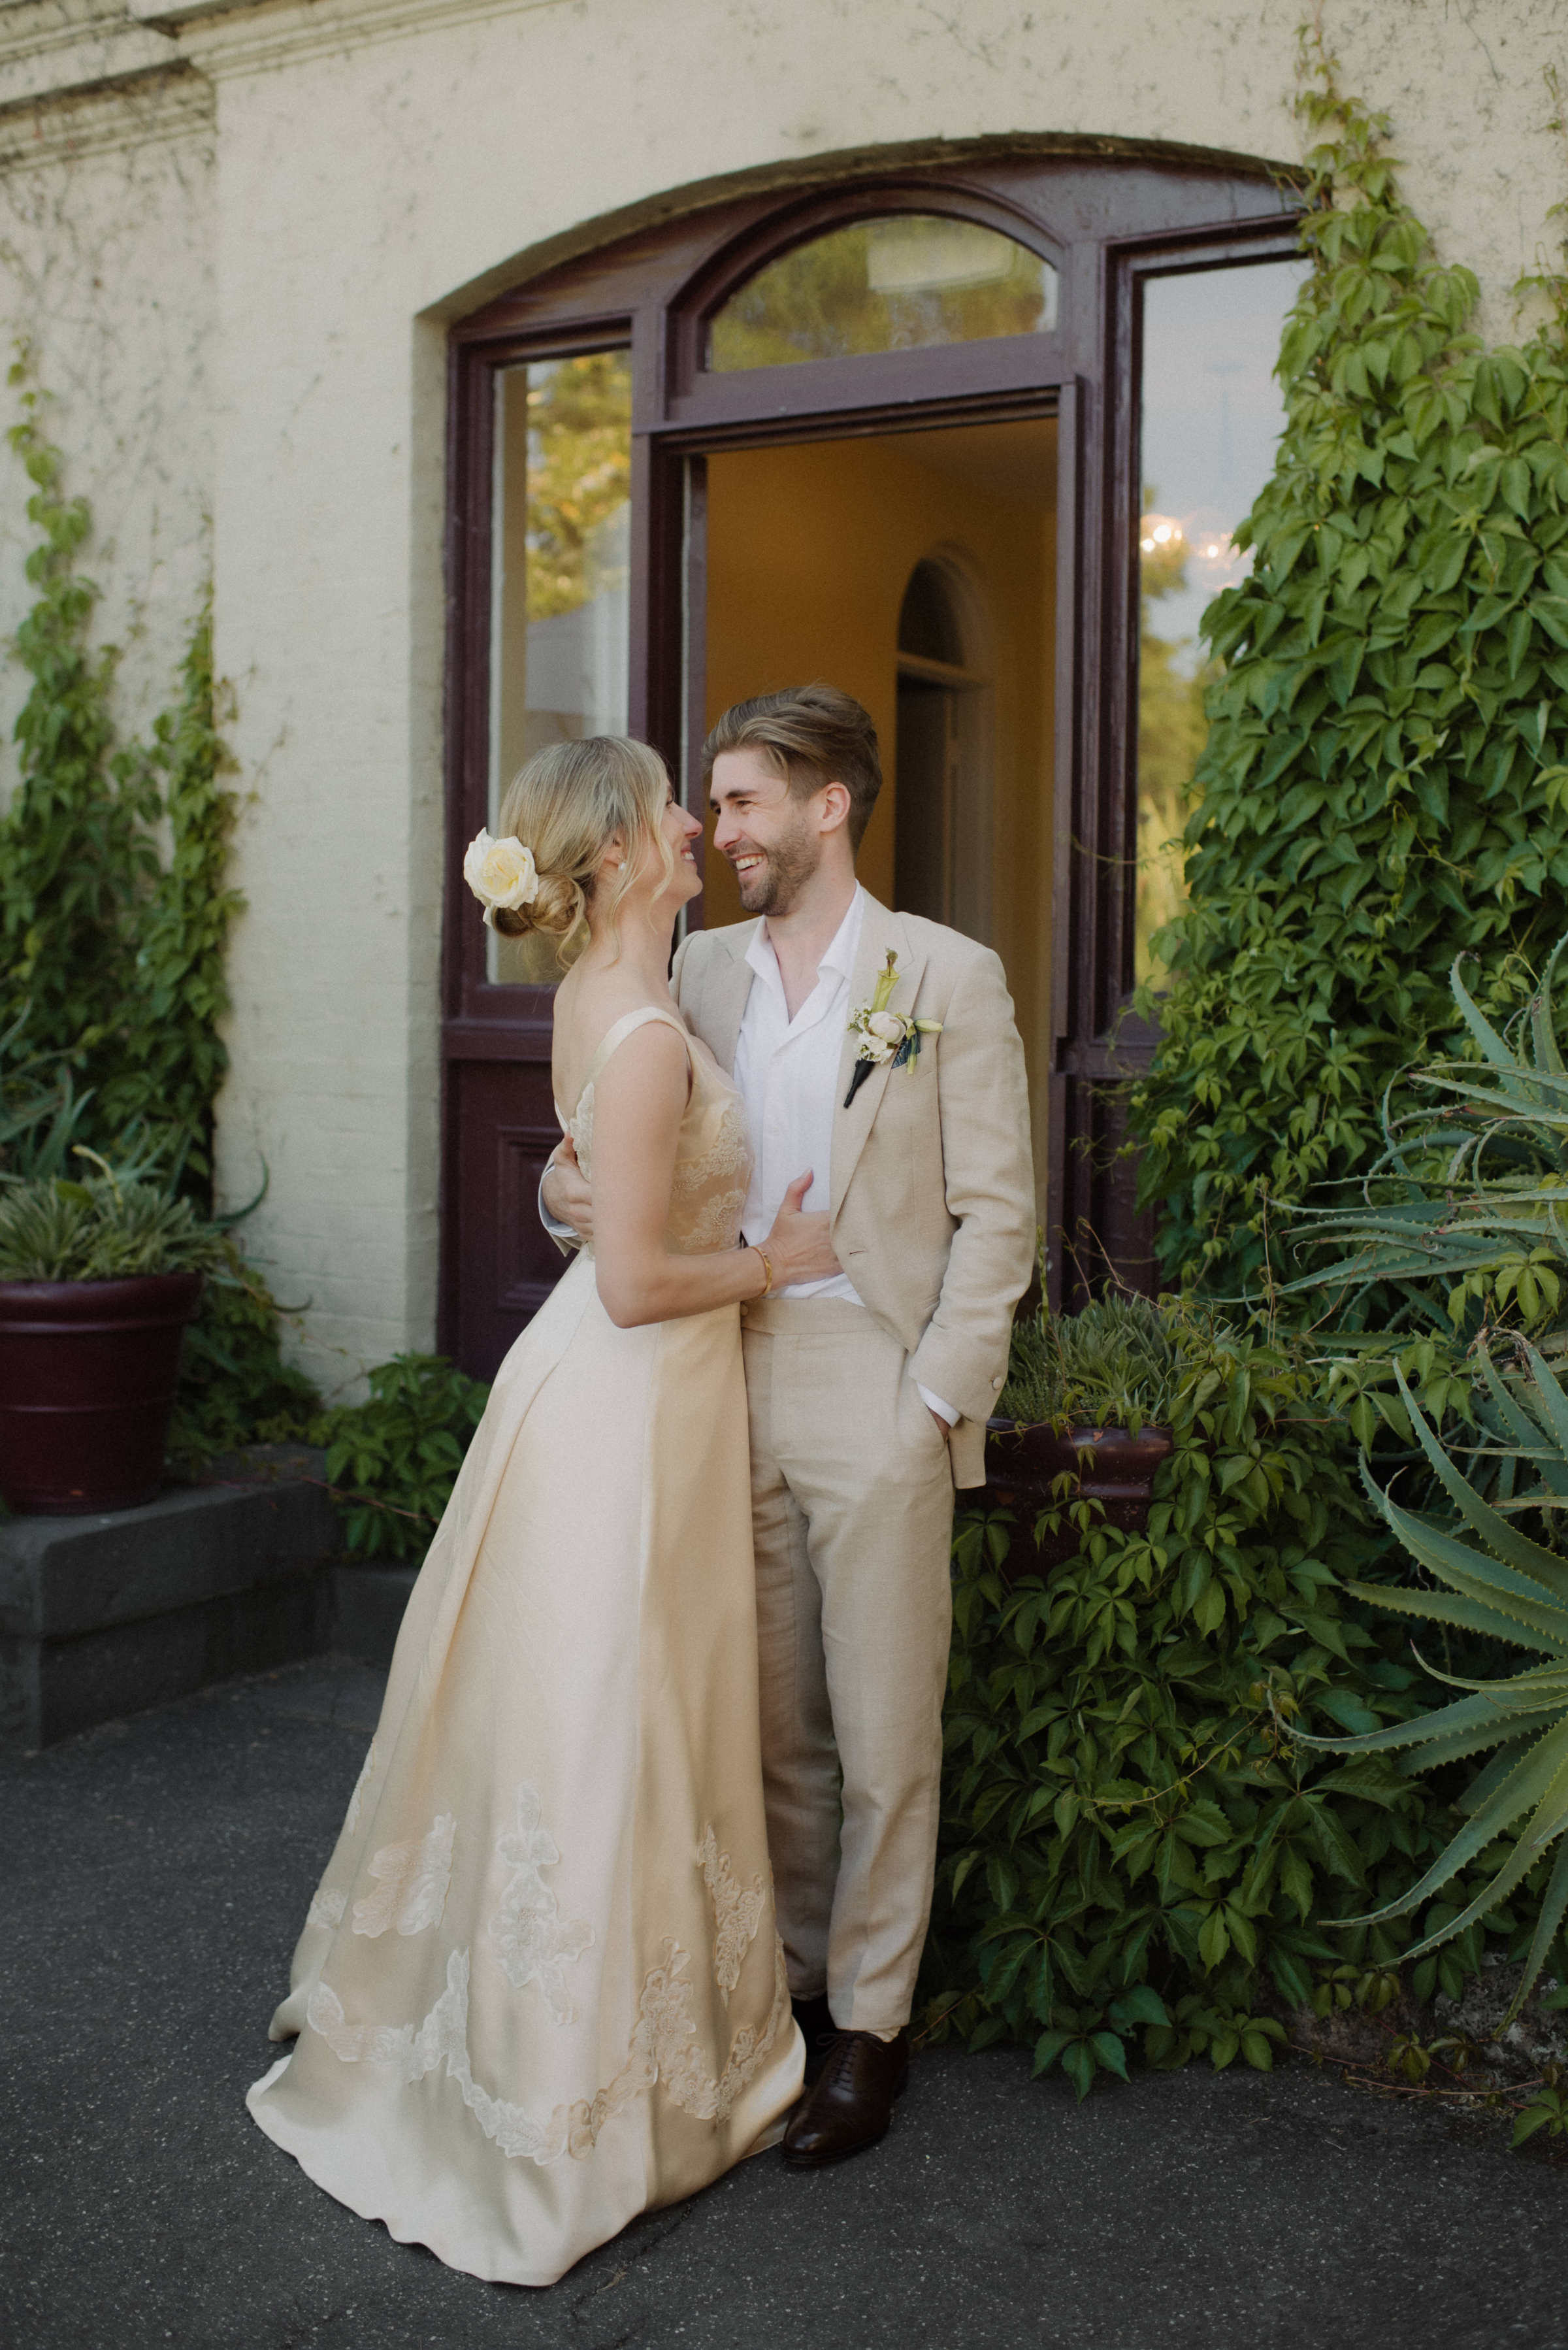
(813,735)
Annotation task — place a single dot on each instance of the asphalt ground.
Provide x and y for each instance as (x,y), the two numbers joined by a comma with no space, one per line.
(155,1872)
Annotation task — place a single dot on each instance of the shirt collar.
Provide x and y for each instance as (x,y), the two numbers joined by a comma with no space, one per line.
(839,958)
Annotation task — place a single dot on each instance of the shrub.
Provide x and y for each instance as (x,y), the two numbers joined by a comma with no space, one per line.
(234,1386)
(397,1454)
(1131,1840)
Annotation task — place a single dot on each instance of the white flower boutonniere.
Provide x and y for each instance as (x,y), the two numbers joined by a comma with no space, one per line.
(885,1035)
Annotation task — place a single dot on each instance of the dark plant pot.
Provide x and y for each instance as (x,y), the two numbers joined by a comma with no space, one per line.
(86,1382)
(1021,1463)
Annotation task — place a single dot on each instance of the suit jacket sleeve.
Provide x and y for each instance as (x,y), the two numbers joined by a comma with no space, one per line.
(989,1177)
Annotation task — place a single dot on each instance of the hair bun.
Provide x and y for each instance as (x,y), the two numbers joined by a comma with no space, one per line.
(556,909)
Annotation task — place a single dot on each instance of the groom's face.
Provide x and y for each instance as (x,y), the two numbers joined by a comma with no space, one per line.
(771,838)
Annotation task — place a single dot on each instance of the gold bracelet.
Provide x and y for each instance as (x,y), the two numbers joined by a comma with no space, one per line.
(767,1270)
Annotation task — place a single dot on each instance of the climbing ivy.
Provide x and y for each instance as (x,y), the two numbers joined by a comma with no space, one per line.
(77,855)
(171,1058)
(1383,783)
(115,958)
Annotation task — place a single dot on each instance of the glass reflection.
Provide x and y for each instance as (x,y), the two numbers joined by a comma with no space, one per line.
(894,284)
(560,611)
(1213,414)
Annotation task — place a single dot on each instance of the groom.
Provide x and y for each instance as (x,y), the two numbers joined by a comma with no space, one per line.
(868,1393)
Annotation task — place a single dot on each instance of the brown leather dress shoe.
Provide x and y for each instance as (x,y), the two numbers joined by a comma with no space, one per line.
(852,2102)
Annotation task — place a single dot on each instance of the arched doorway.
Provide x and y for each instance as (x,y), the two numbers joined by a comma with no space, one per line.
(725,448)
(943,767)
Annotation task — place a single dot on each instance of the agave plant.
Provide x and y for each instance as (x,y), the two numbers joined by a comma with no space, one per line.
(1472,1190)
(1514,1590)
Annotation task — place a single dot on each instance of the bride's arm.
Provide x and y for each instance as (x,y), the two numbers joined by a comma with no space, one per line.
(639,1098)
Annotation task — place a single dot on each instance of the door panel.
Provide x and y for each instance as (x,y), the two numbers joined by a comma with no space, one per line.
(507,1264)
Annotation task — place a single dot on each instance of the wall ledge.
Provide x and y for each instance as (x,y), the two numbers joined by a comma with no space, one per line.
(161,104)
(50,49)
(245,36)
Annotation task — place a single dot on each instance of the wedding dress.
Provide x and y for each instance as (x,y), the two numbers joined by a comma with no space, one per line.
(539,1989)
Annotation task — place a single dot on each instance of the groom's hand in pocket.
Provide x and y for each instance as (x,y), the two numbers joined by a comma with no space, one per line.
(565,1192)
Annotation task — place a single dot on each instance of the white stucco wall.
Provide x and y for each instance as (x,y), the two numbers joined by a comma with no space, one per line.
(383,164)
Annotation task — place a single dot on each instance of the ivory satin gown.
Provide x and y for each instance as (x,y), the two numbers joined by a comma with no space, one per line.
(539,1989)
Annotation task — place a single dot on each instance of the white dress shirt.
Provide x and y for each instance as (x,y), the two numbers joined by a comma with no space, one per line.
(787,1072)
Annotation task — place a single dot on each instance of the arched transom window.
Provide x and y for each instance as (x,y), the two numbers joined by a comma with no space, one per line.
(906,282)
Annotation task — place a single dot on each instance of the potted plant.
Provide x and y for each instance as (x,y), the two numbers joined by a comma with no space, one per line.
(97,1279)
(1082,1416)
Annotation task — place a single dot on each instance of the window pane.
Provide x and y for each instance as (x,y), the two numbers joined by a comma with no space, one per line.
(1212,416)
(890,284)
(560,616)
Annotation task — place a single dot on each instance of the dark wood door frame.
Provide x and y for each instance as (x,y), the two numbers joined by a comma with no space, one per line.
(1103,225)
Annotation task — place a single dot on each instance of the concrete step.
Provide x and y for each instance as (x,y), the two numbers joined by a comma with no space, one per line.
(103,1614)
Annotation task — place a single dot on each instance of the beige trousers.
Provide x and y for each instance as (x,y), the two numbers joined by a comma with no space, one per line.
(852,1503)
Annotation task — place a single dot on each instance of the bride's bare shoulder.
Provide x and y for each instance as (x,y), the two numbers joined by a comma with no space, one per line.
(589,1015)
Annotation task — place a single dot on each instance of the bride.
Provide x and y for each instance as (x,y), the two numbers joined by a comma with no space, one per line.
(539,1989)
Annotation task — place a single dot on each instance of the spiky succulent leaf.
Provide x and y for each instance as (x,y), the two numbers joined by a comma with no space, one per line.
(1500,1591)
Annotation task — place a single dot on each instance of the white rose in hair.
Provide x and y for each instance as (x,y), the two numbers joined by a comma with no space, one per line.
(501,873)
(887,1025)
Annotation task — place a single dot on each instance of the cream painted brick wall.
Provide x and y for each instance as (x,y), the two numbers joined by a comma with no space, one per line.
(106,271)
(380,170)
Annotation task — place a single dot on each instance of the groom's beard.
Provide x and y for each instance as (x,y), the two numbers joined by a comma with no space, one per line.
(772,886)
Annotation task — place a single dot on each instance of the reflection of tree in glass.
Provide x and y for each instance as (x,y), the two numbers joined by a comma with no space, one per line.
(818,302)
(1171,733)
(579,472)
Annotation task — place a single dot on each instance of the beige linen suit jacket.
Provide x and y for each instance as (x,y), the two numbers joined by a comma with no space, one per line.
(932,1184)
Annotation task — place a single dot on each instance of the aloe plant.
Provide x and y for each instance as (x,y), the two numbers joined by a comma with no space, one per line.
(40,1108)
(1472,1190)
(111,1227)
(1514,1590)
(1118,1363)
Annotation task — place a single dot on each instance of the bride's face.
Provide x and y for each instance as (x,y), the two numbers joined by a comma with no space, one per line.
(682,833)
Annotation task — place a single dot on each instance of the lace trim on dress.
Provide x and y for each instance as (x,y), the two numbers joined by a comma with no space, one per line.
(737,1912)
(326,1909)
(661,2051)
(533,1942)
(414,1877)
(729,1154)
(716,1223)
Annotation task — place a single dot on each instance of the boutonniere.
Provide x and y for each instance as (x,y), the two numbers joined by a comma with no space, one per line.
(885,1035)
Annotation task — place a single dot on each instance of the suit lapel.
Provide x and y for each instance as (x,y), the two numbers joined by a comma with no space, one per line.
(879,931)
(727,986)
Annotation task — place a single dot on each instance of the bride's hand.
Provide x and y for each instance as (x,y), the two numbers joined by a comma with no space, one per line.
(798,1248)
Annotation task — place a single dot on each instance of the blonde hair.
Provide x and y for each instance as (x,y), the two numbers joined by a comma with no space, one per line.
(567,805)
